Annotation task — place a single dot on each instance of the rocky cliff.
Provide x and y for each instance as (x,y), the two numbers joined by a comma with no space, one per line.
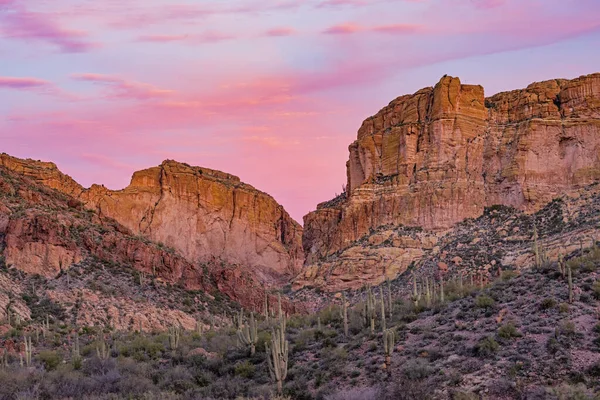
(442,155)
(204,214)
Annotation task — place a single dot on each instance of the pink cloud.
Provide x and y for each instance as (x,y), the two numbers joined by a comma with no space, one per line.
(207,37)
(343,29)
(22,83)
(396,29)
(123,89)
(284,31)
(25,25)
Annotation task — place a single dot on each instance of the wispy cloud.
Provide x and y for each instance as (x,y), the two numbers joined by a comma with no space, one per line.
(124,89)
(22,83)
(34,26)
(282,31)
(343,29)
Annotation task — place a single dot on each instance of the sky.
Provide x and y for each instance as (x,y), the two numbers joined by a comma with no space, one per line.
(272,91)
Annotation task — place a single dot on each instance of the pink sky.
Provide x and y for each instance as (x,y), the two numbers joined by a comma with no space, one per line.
(271,91)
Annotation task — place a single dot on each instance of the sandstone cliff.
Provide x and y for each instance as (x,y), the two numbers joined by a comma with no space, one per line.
(205,215)
(443,154)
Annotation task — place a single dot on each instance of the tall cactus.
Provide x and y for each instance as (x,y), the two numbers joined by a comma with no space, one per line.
(536,248)
(416,296)
(570,282)
(389,338)
(389,297)
(28,350)
(102,350)
(266,307)
(442,294)
(427,293)
(198,327)
(282,317)
(277,358)
(345,314)
(382,308)
(370,310)
(75,353)
(174,337)
(561,265)
(248,333)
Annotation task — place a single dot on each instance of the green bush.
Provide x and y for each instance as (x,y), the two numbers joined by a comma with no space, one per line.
(547,303)
(508,331)
(483,301)
(245,369)
(486,346)
(50,359)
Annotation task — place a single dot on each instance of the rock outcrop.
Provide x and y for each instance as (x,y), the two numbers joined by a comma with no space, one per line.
(205,215)
(442,155)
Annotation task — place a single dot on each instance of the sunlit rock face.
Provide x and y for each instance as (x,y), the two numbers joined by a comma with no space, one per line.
(205,215)
(443,154)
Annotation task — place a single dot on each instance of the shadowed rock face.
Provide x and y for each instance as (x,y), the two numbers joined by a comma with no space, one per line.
(202,213)
(443,154)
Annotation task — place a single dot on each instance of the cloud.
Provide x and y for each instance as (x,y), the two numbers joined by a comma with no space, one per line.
(21,24)
(22,83)
(336,3)
(207,37)
(343,29)
(283,31)
(124,89)
(396,29)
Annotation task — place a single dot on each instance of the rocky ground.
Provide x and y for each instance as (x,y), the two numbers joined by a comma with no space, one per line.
(517,337)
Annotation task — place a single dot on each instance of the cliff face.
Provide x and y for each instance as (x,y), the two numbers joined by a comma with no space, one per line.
(203,214)
(443,154)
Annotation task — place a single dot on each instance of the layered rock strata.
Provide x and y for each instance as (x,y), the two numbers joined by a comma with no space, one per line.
(442,155)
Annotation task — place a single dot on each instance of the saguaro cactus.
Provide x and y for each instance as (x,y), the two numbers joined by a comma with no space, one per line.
(266,307)
(389,297)
(370,310)
(75,353)
(416,297)
(382,308)
(389,339)
(247,333)
(28,350)
(102,350)
(561,264)
(570,282)
(345,314)
(442,297)
(174,336)
(427,293)
(282,318)
(277,358)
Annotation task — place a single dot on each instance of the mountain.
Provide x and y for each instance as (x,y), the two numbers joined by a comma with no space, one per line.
(202,213)
(442,155)
(178,244)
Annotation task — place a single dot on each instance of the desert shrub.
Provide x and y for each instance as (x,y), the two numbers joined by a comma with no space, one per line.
(547,303)
(508,331)
(245,369)
(50,359)
(142,348)
(484,301)
(486,346)
(508,275)
(596,290)
(177,379)
(459,395)
(563,308)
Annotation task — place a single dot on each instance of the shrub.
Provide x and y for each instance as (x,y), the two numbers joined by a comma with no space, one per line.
(245,369)
(547,303)
(596,290)
(484,301)
(50,359)
(486,346)
(508,331)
